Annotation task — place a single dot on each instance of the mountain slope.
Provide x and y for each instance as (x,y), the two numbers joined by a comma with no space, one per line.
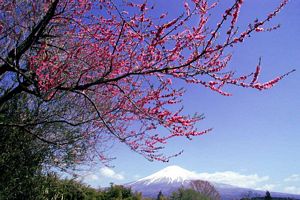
(171,178)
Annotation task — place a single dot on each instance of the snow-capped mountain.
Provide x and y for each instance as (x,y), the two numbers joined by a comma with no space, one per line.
(171,178)
(169,175)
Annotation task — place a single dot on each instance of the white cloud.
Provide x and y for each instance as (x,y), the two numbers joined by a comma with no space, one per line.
(292,189)
(93,177)
(293,178)
(109,173)
(269,187)
(234,178)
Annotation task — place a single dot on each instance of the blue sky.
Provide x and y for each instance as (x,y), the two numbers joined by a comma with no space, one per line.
(256,136)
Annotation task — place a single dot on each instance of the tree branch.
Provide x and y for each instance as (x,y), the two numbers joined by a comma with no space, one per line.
(36,33)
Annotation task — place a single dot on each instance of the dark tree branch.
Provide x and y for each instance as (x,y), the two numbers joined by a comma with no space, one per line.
(36,33)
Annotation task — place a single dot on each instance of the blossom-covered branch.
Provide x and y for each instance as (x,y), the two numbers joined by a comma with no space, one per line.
(116,61)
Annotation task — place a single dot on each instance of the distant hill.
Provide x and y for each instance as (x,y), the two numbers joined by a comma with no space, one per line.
(171,178)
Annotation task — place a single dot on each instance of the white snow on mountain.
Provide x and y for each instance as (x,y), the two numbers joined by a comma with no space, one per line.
(169,175)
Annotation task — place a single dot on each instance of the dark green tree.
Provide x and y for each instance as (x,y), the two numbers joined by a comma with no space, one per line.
(268,196)
(160,196)
(28,148)
(21,156)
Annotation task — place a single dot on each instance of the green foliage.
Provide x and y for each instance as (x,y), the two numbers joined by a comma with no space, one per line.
(55,188)
(20,165)
(25,150)
(21,156)
(119,192)
(187,194)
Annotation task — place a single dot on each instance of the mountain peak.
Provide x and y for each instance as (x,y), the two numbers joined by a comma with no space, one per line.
(175,171)
(173,168)
(169,174)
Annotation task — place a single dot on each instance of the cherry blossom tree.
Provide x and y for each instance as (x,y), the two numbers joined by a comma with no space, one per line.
(106,67)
